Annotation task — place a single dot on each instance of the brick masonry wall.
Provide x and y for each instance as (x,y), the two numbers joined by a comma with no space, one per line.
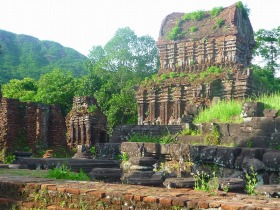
(41,124)
(30,193)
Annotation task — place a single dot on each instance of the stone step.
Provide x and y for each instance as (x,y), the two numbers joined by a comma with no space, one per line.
(148,181)
(143,161)
(179,182)
(105,173)
(233,184)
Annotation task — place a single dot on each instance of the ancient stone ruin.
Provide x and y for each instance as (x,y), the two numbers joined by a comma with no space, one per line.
(86,125)
(30,124)
(185,82)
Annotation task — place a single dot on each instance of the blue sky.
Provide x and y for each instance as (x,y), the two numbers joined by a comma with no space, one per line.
(80,24)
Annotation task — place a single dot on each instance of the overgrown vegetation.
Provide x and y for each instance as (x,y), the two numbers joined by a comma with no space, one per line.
(7,157)
(163,139)
(229,111)
(205,182)
(244,8)
(193,29)
(216,11)
(251,181)
(213,138)
(196,15)
(63,172)
(222,111)
(219,23)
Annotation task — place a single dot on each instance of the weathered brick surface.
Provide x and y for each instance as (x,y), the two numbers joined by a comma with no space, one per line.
(40,124)
(99,195)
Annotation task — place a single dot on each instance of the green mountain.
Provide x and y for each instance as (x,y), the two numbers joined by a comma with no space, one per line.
(26,56)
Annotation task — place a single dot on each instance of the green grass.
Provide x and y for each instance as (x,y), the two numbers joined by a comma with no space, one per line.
(24,172)
(229,111)
(223,111)
(197,15)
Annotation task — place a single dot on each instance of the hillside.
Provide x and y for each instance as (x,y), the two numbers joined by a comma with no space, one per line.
(26,56)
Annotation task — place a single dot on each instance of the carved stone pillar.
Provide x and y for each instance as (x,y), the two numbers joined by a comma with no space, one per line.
(81,127)
(77,131)
(88,132)
(72,133)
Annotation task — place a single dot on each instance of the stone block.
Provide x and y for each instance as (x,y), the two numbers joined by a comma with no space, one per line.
(152,149)
(225,156)
(252,109)
(175,151)
(270,113)
(195,152)
(132,148)
(208,154)
(185,152)
(271,160)
(256,153)
(252,162)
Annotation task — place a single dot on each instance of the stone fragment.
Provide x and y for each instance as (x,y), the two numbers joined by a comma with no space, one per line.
(233,184)
(225,156)
(252,109)
(270,113)
(105,173)
(271,160)
(254,163)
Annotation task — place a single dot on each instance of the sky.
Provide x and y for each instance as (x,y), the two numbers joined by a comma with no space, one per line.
(81,24)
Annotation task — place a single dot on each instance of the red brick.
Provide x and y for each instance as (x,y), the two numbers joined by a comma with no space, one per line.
(74,191)
(61,189)
(179,201)
(128,197)
(98,194)
(233,206)
(28,204)
(215,204)
(203,204)
(151,199)
(139,197)
(166,201)
(193,204)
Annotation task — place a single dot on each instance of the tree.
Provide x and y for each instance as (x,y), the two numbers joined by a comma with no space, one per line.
(114,70)
(268,47)
(56,87)
(24,90)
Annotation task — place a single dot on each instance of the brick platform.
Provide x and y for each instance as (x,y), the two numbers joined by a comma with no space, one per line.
(29,193)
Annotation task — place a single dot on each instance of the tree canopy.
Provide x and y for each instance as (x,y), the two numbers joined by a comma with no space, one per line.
(268,48)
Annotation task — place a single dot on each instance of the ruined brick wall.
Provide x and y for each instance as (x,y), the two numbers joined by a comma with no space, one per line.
(9,122)
(57,128)
(39,124)
(123,132)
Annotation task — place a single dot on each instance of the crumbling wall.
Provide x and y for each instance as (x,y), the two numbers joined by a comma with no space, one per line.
(39,124)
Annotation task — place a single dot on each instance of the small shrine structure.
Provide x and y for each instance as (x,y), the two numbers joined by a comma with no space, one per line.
(86,124)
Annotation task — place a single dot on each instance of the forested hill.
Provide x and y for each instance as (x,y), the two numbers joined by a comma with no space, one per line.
(26,56)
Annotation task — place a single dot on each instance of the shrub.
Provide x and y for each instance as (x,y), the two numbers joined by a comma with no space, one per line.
(193,29)
(219,23)
(244,8)
(92,108)
(65,173)
(214,137)
(197,15)
(175,31)
(123,156)
(172,74)
(216,11)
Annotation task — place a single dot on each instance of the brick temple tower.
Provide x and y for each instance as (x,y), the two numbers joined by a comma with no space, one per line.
(223,41)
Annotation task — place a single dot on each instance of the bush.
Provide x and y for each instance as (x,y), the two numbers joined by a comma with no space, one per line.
(65,173)
(216,11)
(197,15)
(193,29)
(219,23)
